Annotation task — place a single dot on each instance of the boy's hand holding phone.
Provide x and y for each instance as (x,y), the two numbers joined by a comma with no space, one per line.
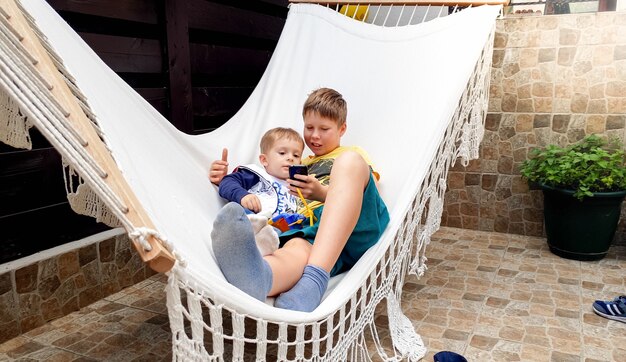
(309,186)
(298,178)
(297,170)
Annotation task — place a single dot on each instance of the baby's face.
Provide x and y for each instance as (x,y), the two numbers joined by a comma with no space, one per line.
(284,153)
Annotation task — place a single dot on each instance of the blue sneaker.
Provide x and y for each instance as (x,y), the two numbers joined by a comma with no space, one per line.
(448,356)
(615,309)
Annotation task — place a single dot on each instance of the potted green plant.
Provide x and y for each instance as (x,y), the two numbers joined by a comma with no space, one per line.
(583,186)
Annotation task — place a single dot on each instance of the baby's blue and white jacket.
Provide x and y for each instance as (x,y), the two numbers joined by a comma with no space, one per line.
(253,179)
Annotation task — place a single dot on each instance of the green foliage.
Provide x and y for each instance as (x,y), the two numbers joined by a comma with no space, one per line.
(591,165)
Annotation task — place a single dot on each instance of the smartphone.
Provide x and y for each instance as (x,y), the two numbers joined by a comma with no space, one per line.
(297,170)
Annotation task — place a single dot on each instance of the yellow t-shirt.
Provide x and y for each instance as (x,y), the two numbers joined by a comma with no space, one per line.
(320,166)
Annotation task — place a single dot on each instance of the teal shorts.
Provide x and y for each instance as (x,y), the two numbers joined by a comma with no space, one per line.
(372,222)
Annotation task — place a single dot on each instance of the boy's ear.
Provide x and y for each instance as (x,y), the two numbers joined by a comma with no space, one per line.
(263,159)
(342,129)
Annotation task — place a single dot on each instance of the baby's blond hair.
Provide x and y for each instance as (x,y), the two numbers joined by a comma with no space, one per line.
(274,134)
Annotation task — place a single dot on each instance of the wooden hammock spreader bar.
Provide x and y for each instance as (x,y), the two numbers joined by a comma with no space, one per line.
(159,258)
(406,2)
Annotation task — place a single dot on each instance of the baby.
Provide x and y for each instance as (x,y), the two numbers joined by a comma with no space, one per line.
(263,191)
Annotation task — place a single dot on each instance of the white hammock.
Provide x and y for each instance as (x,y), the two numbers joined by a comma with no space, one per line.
(417,98)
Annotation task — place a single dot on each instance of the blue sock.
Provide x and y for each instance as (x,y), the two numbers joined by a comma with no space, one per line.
(307,294)
(237,254)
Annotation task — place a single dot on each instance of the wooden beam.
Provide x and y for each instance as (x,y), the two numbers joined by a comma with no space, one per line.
(179,65)
(159,258)
(222,18)
(406,2)
(134,10)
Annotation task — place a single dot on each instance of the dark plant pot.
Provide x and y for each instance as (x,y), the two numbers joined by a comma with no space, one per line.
(580,230)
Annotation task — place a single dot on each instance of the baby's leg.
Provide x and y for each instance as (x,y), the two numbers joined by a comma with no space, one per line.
(349,177)
(237,254)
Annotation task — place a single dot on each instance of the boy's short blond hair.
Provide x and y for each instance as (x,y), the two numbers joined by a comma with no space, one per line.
(274,134)
(327,103)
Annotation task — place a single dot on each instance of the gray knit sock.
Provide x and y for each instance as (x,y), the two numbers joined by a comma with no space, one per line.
(237,254)
(307,294)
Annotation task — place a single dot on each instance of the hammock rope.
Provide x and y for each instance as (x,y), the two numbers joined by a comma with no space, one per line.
(34,103)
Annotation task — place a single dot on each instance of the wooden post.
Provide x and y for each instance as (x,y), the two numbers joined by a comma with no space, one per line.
(179,65)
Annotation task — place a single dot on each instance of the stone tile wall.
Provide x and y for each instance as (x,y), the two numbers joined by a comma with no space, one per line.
(40,292)
(554,79)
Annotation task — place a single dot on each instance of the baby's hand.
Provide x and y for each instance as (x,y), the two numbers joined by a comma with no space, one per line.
(219,168)
(251,202)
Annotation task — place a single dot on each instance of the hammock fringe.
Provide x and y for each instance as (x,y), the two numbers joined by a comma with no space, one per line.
(83,200)
(408,343)
(14,127)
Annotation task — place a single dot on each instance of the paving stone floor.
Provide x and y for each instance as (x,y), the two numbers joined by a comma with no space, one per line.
(488,296)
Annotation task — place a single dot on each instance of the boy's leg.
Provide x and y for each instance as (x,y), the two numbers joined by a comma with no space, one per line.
(342,207)
(287,264)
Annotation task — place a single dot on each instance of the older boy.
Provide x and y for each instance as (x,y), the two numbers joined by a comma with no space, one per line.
(351,219)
